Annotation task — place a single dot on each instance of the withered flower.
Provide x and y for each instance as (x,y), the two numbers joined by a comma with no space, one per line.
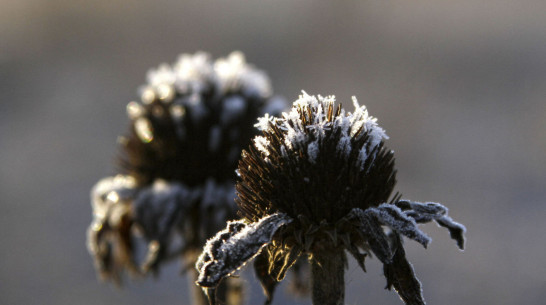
(176,181)
(317,183)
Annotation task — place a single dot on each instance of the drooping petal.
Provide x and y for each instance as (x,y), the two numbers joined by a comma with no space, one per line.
(421,212)
(232,247)
(109,236)
(426,212)
(392,216)
(358,256)
(456,230)
(401,276)
(261,268)
(272,264)
(286,260)
(158,209)
(371,230)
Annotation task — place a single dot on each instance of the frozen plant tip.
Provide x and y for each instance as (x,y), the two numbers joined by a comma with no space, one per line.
(176,186)
(317,182)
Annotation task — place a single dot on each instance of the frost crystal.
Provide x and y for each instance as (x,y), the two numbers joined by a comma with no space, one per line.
(163,75)
(192,71)
(393,217)
(261,144)
(234,72)
(263,122)
(196,73)
(300,126)
(232,247)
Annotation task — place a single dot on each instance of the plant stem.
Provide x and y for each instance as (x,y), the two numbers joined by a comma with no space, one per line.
(327,277)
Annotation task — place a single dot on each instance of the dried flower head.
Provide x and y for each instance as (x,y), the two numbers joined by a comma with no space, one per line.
(177,162)
(318,183)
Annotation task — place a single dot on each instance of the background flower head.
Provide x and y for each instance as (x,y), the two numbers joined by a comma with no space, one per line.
(185,137)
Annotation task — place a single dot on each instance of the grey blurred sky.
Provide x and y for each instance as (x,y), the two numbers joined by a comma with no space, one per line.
(459,87)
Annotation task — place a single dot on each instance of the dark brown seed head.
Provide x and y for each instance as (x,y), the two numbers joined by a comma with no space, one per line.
(193,119)
(316,161)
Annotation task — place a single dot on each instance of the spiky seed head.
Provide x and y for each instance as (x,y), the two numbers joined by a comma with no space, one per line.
(317,161)
(193,119)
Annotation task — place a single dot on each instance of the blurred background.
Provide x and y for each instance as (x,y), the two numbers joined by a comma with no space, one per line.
(459,86)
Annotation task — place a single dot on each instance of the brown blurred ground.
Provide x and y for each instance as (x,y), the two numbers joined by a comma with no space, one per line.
(460,88)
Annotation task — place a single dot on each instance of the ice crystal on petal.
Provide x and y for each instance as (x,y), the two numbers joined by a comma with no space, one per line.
(232,247)
(456,230)
(393,217)
(426,212)
(261,144)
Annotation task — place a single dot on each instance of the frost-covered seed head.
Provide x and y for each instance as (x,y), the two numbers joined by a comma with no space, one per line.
(194,118)
(316,160)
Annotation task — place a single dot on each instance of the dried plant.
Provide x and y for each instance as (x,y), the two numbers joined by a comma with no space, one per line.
(317,183)
(177,164)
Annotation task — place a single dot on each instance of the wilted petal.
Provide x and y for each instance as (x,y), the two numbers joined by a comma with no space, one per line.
(359,257)
(426,212)
(456,230)
(109,235)
(158,209)
(230,249)
(400,275)
(422,212)
(392,216)
(371,229)
(288,257)
(261,268)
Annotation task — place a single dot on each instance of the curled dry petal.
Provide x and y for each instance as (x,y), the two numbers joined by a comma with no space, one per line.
(268,282)
(392,216)
(109,235)
(232,247)
(421,212)
(158,209)
(456,230)
(426,212)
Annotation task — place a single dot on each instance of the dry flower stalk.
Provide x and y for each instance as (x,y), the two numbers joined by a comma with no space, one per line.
(317,183)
